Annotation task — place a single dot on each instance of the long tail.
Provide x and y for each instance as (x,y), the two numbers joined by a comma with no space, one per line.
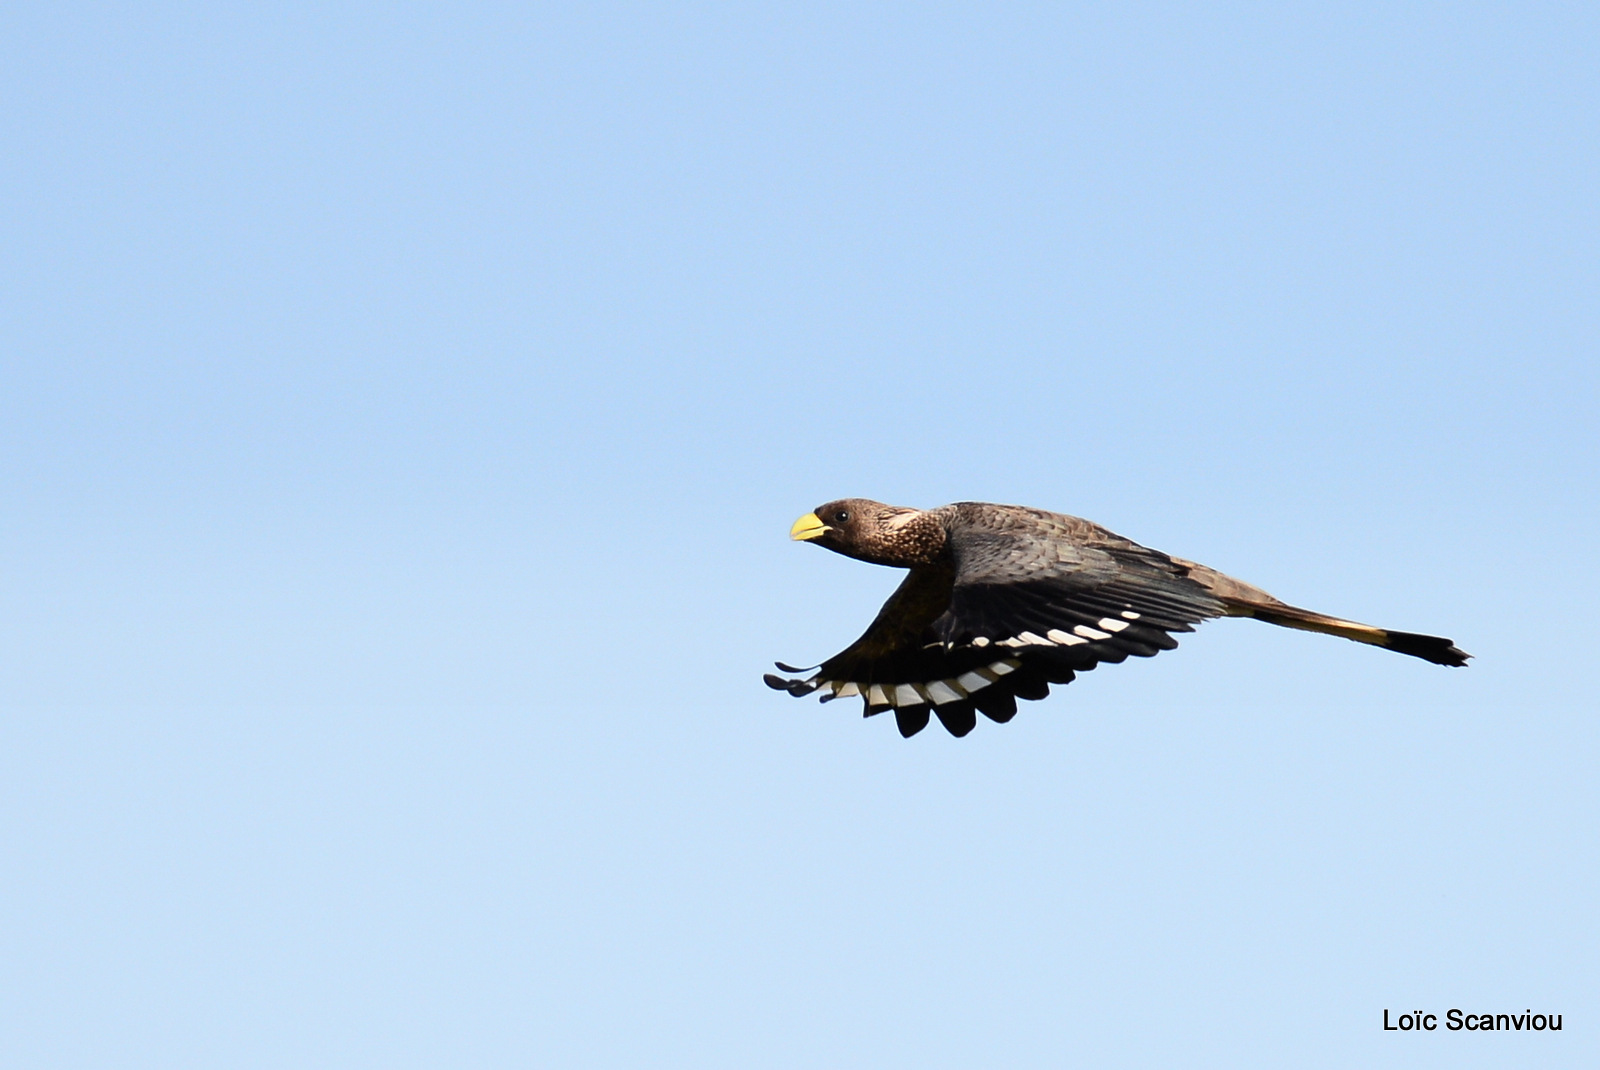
(1432,648)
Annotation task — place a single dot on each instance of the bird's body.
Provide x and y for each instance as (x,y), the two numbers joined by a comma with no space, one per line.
(1002,601)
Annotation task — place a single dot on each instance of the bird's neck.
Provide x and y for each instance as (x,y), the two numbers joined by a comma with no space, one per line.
(909,540)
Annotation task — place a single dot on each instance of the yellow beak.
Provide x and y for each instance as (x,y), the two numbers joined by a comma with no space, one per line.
(808,527)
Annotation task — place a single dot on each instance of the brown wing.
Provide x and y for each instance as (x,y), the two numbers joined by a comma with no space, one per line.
(1025,578)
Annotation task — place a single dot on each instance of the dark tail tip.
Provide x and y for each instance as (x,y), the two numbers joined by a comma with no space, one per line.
(1432,648)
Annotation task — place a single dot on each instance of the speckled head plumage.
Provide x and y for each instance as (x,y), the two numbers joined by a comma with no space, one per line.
(875,532)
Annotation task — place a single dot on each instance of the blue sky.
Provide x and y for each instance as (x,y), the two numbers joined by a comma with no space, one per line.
(402,413)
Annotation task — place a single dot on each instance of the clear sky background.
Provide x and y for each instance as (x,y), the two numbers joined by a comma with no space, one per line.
(403,409)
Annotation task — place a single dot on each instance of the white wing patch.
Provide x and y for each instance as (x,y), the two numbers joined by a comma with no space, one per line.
(900,696)
(938,692)
(1105,628)
(975,680)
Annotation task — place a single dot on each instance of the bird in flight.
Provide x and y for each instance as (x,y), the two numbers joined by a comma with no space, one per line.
(1002,601)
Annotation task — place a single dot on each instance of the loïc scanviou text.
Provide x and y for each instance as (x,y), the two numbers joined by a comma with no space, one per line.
(1457,1020)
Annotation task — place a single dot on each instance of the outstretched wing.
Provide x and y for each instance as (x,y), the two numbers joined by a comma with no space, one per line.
(1030,599)
(900,663)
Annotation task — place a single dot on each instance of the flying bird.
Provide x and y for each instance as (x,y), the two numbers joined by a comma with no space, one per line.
(1002,601)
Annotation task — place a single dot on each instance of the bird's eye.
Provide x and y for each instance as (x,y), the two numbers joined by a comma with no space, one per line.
(842,516)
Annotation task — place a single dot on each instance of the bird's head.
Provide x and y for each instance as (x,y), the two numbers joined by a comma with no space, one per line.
(871,531)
